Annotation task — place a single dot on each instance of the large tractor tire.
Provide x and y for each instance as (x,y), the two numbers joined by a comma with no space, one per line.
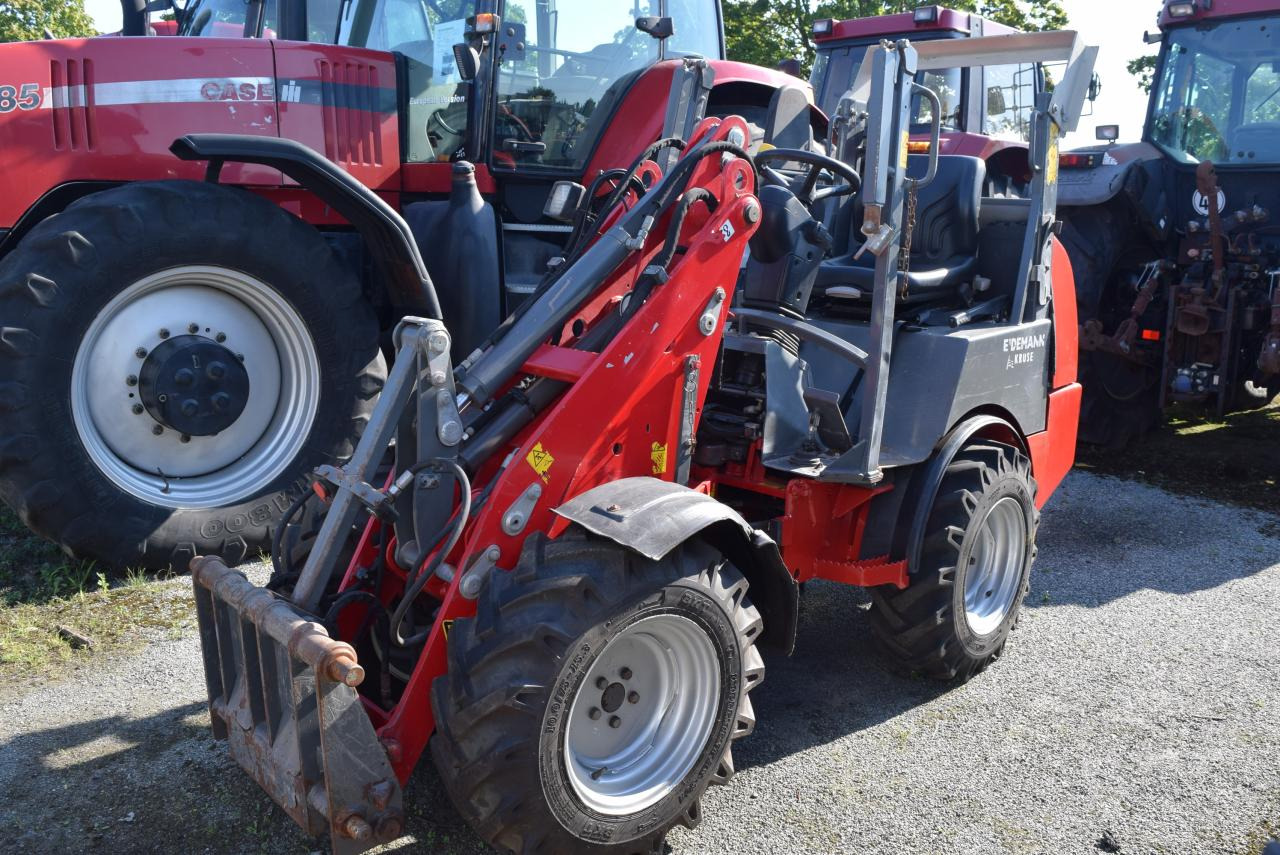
(175,357)
(595,695)
(975,562)
(1121,400)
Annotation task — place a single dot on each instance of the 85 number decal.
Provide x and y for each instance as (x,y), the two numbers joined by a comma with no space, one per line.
(24,97)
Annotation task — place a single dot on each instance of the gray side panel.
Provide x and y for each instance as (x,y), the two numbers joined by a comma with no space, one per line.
(938,375)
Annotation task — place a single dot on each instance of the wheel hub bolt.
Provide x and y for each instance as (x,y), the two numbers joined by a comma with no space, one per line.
(601,683)
(220,337)
(240,356)
(593,713)
(216,371)
(221,401)
(633,698)
(141,353)
(184,377)
(157,430)
(131,380)
(164,333)
(137,409)
(625,673)
(184,438)
(193,328)
(190,407)
(615,722)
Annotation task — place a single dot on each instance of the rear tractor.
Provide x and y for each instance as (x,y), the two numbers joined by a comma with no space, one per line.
(1174,239)
(597,518)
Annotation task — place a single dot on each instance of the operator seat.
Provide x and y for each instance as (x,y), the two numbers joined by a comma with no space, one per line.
(944,245)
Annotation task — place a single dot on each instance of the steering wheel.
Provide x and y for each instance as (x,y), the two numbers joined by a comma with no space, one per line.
(818,164)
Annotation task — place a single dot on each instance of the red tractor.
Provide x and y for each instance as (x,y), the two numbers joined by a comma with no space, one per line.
(175,355)
(986,111)
(595,517)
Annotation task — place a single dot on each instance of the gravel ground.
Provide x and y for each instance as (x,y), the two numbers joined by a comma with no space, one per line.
(1138,707)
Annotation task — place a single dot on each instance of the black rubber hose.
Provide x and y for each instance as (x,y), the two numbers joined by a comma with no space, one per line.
(279,575)
(432,562)
(687,201)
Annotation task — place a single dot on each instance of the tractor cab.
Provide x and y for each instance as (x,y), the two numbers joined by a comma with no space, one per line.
(984,109)
(1177,231)
(536,70)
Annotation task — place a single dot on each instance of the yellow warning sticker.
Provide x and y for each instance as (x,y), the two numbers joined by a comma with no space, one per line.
(1051,165)
(447,627)
(906,150)
(540,459)
(659,456)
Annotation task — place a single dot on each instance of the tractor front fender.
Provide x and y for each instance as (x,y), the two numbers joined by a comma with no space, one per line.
(388,236)
(652,517)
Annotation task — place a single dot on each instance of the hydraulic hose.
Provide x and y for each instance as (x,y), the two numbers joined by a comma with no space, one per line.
(415,583)
(279,575)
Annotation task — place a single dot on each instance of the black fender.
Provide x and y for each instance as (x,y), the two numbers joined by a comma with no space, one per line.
(390,241)
(652,517)
(928,479)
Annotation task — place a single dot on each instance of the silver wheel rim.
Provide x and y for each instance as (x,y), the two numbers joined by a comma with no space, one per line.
(668,675)
(204,471)
(995,566)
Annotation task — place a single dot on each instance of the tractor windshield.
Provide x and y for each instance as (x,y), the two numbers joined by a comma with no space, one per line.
(557,87)
(1218,93)
(228,19)
(1004,112)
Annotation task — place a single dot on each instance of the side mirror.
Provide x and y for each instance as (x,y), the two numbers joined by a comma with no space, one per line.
(659,28)
(466,60)
(1151,38)
(1095,88)
(995,101)
(1107,133)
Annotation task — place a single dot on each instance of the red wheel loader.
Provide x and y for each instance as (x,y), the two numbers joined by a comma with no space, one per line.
(597,516)
(118,267)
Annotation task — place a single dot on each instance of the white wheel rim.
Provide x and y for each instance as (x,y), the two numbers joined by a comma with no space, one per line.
(661,729)
(205,471)
(995,566)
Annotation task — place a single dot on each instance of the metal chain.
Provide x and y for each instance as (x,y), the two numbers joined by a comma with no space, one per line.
(908,232)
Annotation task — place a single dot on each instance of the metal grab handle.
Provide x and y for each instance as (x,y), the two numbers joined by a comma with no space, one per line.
(935,134)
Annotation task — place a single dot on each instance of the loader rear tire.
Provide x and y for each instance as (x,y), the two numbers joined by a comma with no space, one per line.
(157,277)
(954,618)
(587,653)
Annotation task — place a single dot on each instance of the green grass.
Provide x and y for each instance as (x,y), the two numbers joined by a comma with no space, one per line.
(41,590)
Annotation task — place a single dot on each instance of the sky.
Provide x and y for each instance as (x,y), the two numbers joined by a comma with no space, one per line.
(1114,25)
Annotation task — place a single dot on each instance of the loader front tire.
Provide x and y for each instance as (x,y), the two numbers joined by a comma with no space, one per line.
(175,358)
(954,618)
(595,695)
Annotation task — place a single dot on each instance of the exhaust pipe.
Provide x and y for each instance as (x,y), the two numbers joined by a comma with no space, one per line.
(134,18)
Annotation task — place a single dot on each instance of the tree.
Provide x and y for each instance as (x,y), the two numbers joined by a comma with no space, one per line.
(28,20)
(1143,68)
(766,31)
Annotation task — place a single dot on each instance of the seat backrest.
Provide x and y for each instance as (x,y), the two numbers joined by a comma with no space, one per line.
(787,121)
(947,210)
